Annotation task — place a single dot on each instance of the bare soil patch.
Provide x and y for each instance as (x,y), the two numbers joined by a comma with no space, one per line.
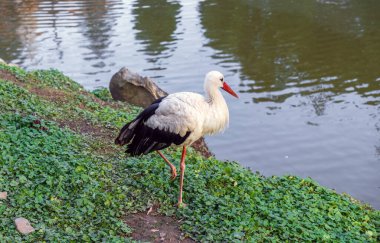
(8,76)
(155,228)
(49,94)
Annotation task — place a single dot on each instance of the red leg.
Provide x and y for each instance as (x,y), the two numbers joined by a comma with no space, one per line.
(172,167)
(182,167)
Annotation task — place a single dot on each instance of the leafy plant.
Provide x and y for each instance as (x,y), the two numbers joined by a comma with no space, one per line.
(55,181)
(102,93)
(76,186)
(230,203)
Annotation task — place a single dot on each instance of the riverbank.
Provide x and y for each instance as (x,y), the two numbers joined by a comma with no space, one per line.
(62,172)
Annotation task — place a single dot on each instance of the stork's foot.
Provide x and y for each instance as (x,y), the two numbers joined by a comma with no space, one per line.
(181,205)
(174,173)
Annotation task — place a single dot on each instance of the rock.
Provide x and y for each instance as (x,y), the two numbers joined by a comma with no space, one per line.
(23,226)
(9,64)
(133,88)
(142,91)
(3,195)
(162,236)
(201,146)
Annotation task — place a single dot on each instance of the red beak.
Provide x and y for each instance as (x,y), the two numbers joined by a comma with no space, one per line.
(228,89)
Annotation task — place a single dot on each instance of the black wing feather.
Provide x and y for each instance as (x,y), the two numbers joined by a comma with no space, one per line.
(142,139)
(126,134)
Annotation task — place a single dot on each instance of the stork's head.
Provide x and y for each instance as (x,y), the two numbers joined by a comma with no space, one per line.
(214,80)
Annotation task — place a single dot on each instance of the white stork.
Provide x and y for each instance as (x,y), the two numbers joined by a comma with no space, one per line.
(179,119)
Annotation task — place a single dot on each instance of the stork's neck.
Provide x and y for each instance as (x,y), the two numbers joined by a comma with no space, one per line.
(217,116)
(214,96)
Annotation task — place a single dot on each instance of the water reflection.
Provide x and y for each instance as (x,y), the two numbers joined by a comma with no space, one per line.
(156,22)
(310,47)
(14,34)
(99,20)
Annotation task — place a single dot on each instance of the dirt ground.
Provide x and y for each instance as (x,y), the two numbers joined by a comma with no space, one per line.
(155,228)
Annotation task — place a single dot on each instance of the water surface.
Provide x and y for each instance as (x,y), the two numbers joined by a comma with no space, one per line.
(307,72)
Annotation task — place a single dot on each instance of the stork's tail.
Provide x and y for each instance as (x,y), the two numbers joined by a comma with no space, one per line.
(126,133)
(135,130)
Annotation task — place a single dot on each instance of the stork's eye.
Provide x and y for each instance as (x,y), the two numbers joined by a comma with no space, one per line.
(221,79)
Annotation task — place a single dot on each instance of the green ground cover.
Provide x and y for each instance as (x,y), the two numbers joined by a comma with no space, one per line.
(62,172)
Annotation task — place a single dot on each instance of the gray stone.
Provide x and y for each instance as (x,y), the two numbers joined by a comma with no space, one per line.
(23,226)
(133,88)
(3,195)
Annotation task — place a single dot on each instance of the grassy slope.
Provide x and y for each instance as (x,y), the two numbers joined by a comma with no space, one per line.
(62,172)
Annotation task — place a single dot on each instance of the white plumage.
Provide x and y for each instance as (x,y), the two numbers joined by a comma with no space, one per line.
(178,119)
(182,112)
